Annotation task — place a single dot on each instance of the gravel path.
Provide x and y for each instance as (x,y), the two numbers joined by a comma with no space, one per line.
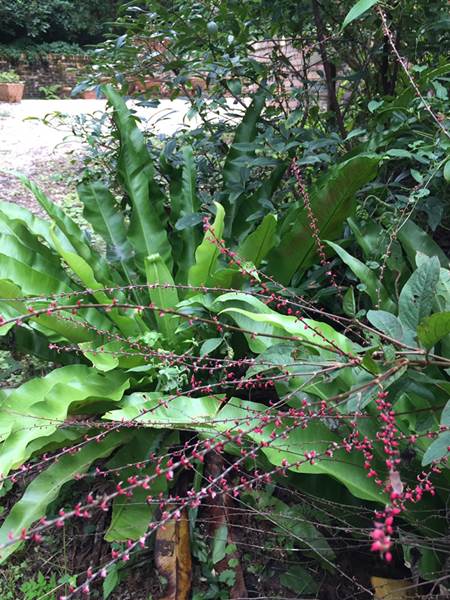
(49,156)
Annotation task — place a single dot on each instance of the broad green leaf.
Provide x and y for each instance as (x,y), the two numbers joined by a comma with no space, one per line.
(295,521)
(318,334)
(137,174)
(210,345)
(106,357)
(153,409)
(348,303)
(111,581)
(345,467)
(278,357)
(332,201)
(61,438)
(414,239)
(71,231)
(107,219)
(43,262)
(373,286)
(44,489)
(445,417)
(22,233)
(447,171)
(35,224)
(358,10)
(256,246)
(162,297)
(219,544)
(232,170)
(46,323)
(207,253)
(399,153)
(437,449)
(417,296)
(37,408)
(261,198)
(103,361)
(184,205)
(371,237)
(131,515)
(31,342)
(387,323)
(252,314)
(300,581)
(30,271)
(129,325)
(432,329)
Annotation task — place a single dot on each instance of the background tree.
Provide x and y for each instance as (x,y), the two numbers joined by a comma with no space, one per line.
(83,21)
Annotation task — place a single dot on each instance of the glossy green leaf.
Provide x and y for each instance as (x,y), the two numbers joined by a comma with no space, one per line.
(131,515)
(332,201)
(432,329)
(207,253)
(105,359)
(111,581)
(162,297)
(35,224)
(153,409)
(447,171)
(219,544)
(387,323)
(146,232)
(71,231)
(14,308)
(255,316)
(374,288)
(184,205)
(417,296)
(437,449)
(371,237)
(345,467)
(232,170)
(107,220)
(129,325)
(348,303)
(257,245)
(210,345)
(37,407)
(22,233)
(30,271)
(414,239)
(44,489)
(358,10)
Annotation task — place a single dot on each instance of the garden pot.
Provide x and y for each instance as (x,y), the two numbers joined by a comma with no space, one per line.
(11,92)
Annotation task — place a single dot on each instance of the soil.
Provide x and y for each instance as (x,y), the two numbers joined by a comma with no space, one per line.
(50,156)
(36,150)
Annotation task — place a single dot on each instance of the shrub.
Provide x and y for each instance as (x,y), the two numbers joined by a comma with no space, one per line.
(186,346)
(9,77)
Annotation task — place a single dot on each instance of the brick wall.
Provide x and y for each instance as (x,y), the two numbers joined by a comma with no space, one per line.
(54,69)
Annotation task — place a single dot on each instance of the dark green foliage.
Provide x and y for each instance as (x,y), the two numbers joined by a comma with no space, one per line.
(83,21)
(353,247)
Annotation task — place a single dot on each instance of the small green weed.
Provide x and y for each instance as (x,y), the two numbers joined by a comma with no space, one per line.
(39,588)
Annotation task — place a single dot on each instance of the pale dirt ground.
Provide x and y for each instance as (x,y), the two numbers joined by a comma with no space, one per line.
(50,156)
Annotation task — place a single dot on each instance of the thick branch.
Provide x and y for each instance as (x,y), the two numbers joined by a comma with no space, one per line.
(329,69)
